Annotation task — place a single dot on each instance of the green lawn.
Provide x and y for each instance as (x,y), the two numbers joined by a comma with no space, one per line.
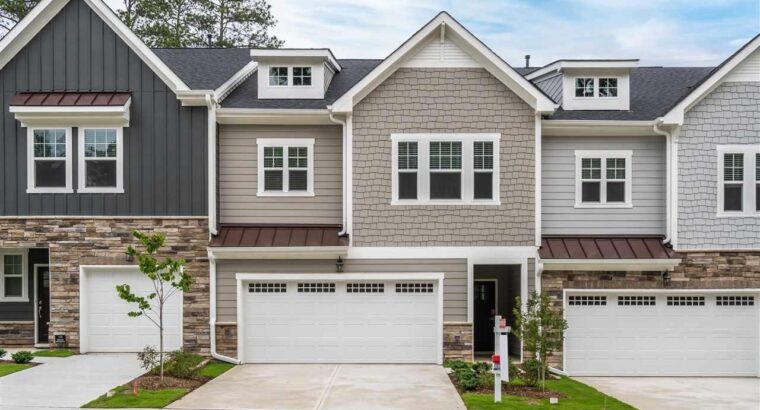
(8,368)
(215,368)
(578,397)
(54,353)
(144,399)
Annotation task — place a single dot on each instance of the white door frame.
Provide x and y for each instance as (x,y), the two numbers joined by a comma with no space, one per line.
(84,270)
(36,301)
(495,305)
(241,278)
(753,291)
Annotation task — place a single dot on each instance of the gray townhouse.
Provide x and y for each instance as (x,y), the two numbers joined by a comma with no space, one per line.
(379,211)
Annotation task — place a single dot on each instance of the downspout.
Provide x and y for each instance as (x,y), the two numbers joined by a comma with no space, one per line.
(211,104)
(212,313)
(668,178)
(344,228)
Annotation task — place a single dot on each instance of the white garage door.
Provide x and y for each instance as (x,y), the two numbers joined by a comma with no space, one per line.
(662,334)
(341,322)
(106,326)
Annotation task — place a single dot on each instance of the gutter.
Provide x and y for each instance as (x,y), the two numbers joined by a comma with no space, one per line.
(212,313)
(344,228)
(211,104)
(670,180)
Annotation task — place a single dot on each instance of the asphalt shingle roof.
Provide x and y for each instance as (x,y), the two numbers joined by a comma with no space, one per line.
(204,68)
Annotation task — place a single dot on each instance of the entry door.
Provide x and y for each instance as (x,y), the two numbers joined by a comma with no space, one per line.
(485,309)
(43,302)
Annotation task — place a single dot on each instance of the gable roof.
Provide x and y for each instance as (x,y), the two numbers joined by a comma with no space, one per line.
(471,44)
(23,32)
(204,68)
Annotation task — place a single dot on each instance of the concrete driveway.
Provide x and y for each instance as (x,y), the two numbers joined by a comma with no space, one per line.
(676,393)
(327,387)
(62,383)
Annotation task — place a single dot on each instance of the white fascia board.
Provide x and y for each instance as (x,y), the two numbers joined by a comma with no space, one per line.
(28,27)
(36,116)
(323,53)
(492,62)
(233,82)
(194,98)
(340,276)
(607,128)
(476,254)
(583,64)
(639,291)
(273,116)
(677,113)
(609,264)
(290,252)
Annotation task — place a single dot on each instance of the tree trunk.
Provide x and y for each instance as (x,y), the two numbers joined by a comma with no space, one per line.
(161,336)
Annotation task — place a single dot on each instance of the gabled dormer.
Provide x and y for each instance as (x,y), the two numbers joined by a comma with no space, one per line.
(587,84)
(294,73)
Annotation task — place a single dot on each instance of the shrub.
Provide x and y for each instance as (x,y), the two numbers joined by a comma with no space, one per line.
(2,353)
(532,374)
(148,358)
(22,356)
(456,364)
(471,376)
(183,365)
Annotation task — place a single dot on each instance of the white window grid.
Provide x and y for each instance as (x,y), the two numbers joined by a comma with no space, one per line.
(316,287)
(685,300)
(637,300)
(584,87)
(20,258)
(587,300)
(596,87)
(739,165)
(49,149)
(608,87)
(286,154)
(603,166)
(735,301)
(114,153)
(267,287)
(302,76)
(414,287)
(365,288)
(278,76)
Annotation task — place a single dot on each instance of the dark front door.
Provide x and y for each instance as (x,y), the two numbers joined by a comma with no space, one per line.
(485,309)
(43,303)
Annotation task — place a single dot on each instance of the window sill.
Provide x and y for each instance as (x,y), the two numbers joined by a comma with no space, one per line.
(603,206)
(49,191)
(432,202)
(100,191)
(14,300)
(285,194)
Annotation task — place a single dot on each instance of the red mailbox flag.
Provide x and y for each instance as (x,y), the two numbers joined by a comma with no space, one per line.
(496,359)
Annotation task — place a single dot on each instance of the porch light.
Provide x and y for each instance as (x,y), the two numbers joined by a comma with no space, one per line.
(339,265)
(666,279)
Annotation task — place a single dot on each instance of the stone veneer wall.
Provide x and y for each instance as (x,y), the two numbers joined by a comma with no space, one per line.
(442,100)
(457,341)
(16,334)
(103,241)
(226,340)
(698,270)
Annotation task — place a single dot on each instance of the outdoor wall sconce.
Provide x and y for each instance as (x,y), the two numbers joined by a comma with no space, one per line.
(666,279)
(339,265)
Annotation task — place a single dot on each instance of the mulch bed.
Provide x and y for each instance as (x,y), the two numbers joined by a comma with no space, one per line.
(150,382)
(31,364)
(532,392)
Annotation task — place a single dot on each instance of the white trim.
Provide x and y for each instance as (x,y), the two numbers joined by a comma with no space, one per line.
(560,65)
(212,313)
(604,155)
(72,116)
(469,43)
(36,302)
(350,178)
(323,53)
(749,206)
(233,82)
(273,116)
(660,291)
(467,170)
(30,161)
(538,176)
(482,255)
(592,128)
(24,253)
(81,163)
(211,171)
(285,143)
(610,264)
(294,252)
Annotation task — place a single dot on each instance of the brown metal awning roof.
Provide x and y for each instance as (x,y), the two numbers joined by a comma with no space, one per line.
(278,236)
(578,247)
(70,99)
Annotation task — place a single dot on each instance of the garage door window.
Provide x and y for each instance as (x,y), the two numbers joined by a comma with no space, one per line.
(636,300)
(735,301)
(316,288)
(686,300)
(414,288)
(365,288)
(587,301)
(267,287)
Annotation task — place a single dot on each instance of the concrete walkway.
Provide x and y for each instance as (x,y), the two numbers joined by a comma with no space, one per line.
(681,393)
(63,383)
(327,387)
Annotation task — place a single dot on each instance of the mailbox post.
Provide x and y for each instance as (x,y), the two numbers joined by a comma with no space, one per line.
(501,347)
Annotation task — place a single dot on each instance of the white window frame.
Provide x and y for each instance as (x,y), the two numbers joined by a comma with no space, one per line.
(596,87)
(467,171)
(119,188)
(292,74)
(748,186)
(30,161)
(288,74)
(285,143)
(604,155)
(24,276)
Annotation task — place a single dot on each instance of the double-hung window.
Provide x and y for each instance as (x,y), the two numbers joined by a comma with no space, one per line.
(100,160)
(738,180)
(13,286)
(603,179)
(445,169)
(49,160)
(285,167)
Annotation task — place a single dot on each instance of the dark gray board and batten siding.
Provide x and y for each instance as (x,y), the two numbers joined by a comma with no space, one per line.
(164,147)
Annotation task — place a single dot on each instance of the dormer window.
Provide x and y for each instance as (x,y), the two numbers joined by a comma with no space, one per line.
(278,76)
(584,87)
(302,76)
(608,87)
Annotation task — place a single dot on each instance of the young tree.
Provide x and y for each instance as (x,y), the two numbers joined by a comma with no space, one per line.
(541,329)
(168,279)
(12,11)
(239,23)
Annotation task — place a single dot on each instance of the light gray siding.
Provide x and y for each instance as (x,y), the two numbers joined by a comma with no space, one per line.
(559,215)
(729,115)
(238,179)
(454,293)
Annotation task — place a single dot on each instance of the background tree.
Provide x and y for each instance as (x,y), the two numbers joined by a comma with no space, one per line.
(128,12)
(239,23)
(169,23)
(12,11)
(168,279)
(541,329)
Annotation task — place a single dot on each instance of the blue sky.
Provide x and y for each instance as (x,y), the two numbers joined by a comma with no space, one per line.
(659,32)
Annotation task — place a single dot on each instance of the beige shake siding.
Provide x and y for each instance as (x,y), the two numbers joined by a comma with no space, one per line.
(442,100)
(454,293)
(238,177)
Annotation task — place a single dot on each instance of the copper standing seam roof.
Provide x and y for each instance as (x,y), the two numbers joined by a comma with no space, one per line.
(278,236)
(568,247)
(69,99)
